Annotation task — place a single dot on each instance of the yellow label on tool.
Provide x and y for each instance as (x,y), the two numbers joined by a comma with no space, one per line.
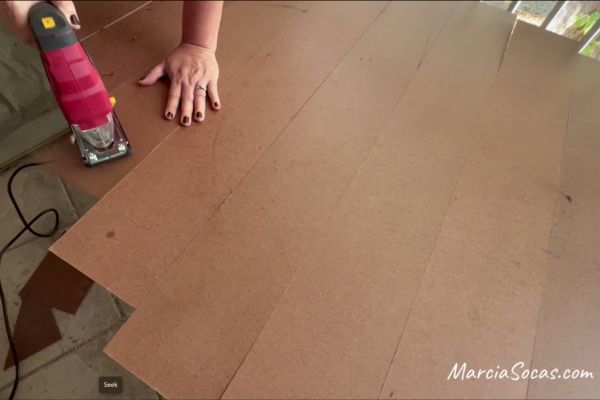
(48,22)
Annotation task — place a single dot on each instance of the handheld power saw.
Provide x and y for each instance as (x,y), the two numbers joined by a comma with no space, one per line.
(78,88)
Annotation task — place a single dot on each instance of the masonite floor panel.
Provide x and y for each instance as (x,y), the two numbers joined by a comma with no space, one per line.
(95,15)
(334,333)
(567,332)
(127,48)
(221,291)
(247,27)
(479,298)
(186,179)
(124,51)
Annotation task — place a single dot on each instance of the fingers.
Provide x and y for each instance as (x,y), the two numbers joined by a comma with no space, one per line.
(173,100)
(69,11)
(190,98)
(213,94)
(155,74)
(187,105)
(199,103)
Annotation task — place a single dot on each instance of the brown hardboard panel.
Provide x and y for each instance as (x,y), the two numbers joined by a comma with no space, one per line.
(184,181)
(334,332)
(123,51)
(222,289)
(95,15)
(479,297)
(569,323)
(247,27)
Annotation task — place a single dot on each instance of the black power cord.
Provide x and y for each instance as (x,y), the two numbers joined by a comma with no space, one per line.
(27,226)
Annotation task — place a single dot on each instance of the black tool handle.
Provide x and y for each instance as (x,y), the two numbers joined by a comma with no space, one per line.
(50,28)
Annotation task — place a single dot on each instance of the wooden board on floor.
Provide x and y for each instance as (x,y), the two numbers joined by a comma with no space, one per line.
(340,318)
(375,206)
(479,298)
(238,267)
(567,332)
(212,158)
(95,15)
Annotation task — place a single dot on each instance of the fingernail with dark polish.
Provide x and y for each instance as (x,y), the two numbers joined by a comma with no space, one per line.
(74,19)
(216,105)
(198,115)
(186,120)
(169,115)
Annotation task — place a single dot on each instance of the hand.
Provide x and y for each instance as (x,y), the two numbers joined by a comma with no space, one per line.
(17,15)
(194,72)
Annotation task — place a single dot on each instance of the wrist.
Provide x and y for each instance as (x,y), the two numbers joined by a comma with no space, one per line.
(197,47)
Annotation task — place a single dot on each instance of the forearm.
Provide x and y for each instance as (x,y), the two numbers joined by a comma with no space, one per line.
(200,23)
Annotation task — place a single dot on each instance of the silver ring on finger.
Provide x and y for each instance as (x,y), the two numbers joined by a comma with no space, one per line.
(201,87)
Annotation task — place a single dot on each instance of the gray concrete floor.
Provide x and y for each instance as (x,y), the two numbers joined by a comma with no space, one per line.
(70,368)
